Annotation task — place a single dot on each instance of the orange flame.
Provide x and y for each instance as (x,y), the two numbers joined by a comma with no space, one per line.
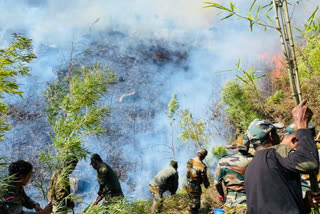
(274,63)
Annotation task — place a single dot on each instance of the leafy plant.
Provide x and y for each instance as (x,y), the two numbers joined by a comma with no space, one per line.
(192,131)
(173,106)
(120,206)
(218,151)
(14,62)
(74,110)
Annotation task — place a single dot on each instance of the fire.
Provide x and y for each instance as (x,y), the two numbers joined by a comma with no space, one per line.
(274,63)
(277,63)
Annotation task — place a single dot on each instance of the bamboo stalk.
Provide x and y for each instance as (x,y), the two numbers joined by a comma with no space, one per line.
(285,51)
(293,54)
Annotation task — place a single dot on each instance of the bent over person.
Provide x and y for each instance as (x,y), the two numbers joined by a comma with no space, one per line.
(166,180)
(230,171)
(196,175)
(272,179)
(12,195)
(59,192)
(107,178)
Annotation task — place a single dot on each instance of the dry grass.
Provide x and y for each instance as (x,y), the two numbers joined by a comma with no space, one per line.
(179,203)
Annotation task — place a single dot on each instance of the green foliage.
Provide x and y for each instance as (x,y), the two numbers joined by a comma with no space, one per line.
(308,61)
(74,111)
(120,206)
(276,97)
(193,131)
(14,62)
(173,106)
(258,13)
(238,108)
(218,151)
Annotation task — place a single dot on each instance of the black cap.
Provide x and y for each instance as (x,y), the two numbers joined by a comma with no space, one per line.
(95,157)
(174,164)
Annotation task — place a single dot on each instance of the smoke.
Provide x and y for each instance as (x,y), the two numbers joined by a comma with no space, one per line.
(158,48)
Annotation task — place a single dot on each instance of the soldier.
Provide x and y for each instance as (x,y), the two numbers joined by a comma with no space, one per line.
(230,171)
(13,197)
(59,192)
(305,181)
(196,175)
(272,179)
(107,178)
(165,180)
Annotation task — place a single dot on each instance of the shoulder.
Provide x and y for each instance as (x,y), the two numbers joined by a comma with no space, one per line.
(103,168)
(282,150)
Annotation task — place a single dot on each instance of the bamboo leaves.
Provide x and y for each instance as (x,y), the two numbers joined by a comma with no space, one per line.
(254,16)
(14,62)
(74,110)
(192,131)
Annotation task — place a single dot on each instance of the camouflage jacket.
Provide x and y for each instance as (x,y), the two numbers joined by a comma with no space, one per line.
(108,181)
(231,169)
(59,189)
(197,172)
(166,179)
(12,200)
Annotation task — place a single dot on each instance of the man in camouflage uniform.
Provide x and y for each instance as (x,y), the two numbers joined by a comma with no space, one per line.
(107,178)
(196,175)
(12,195)
(166,180)
(230,171)
(305,181)
(59,192)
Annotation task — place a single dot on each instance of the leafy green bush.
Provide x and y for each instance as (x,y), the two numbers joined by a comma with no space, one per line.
(239,109)
(218,151)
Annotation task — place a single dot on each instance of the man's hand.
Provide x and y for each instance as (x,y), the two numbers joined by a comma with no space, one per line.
(46,210)
(302,115)
(221,198)
(95,202)
(37,207)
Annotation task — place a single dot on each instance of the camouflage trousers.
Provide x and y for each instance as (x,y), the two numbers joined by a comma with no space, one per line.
(157,202)
(194,192)
(236,199)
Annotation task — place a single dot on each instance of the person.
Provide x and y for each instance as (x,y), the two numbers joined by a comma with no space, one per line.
(13,196)
(272,179)
(196,175)
(166,180)
(107,179)
(305,180)
(230,171)
(59,192)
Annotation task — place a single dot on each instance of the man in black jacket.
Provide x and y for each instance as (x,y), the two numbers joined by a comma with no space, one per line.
(272,179)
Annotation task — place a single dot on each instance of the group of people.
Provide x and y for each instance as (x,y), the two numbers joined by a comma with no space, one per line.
(267,180)
(13,197)
(270,180)
(167,180)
